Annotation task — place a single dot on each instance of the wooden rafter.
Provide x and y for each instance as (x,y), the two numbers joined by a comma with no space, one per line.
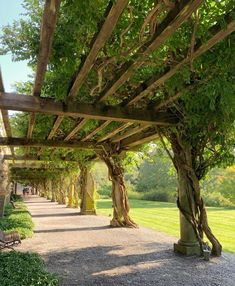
(169,25)
(157,80)
(55,126)
(112,14)
(114,131)
(20,102)
(24,142)
(73,132)
(51,9)
(129,132)
(96,130)
(138,139)
(5,116)
(35,158)
(173,20)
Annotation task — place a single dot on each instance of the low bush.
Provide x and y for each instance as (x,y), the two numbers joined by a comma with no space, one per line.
(24,269)
(18,219)
(105,191)
(216,200)
(132,195)
(159,195)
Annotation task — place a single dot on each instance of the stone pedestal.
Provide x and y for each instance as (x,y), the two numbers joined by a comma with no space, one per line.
(188,243)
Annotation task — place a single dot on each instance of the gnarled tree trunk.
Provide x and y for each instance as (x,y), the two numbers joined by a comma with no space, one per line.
(119,193)
(193,216)
(87,190)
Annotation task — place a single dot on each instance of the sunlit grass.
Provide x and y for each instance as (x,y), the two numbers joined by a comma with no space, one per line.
(164,217)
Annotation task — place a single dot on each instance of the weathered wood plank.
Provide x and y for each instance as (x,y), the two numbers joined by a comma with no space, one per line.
(96,130)
(169,25)
(35,158)
(73,132)
(24,142)
(55,127)
(129,133)
(138,139)
(112,15)
(5,115)
(19,102)
(114,131)
(48,25)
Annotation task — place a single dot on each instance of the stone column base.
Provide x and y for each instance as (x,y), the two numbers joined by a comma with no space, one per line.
(88,212)
(187,248)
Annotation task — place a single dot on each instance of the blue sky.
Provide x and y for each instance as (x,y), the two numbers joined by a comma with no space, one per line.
(11,10)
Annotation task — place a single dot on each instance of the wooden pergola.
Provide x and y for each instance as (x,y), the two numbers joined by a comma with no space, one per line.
(137,126)
(138,115)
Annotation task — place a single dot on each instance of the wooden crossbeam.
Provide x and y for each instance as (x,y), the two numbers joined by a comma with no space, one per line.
(19,102)
(35,158)
(129,132)
(48,25)
(73,132)
(169,25)
(114,131)
(112,14)
(5,115)
(159,79)
(96,130)
(24,142)
(138,139)
(56,125)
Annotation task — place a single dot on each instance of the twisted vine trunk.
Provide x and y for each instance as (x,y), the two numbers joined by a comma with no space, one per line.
(119,194)
(87,190)
(192,208)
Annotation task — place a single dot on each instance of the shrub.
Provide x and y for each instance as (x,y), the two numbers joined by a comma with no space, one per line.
(162,195)
(24,269)
(134,195)
(105,191)
(216,200)
(18,219)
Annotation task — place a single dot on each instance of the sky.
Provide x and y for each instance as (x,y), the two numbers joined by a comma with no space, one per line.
(11,10)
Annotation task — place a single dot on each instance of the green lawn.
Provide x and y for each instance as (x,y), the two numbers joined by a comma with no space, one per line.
(164,217)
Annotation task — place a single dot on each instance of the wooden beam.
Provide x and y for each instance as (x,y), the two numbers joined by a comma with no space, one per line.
(73,132)
(24,142)
(55,126)
(51,9)
(138,139)
(114,132)
(129,133)
(112,14)
(151,84)
(48,25)
(169,25)
(96,130)
(19,102)
(36,158)
(5,115)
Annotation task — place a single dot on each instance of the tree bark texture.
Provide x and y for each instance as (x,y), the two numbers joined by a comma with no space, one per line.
(121,217)
(190,202)
(87,190)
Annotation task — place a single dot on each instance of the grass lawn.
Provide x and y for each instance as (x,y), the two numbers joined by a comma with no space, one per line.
(164,217)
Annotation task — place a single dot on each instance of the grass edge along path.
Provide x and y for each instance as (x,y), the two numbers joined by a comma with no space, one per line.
(18,268)
(164,217)
(17,219)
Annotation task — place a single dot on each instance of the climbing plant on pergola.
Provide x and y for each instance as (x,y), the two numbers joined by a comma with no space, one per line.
(109,78)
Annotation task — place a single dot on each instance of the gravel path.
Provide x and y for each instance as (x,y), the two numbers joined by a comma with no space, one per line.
(85,251)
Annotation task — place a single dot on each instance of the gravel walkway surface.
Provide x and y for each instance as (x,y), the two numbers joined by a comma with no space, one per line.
(85,251)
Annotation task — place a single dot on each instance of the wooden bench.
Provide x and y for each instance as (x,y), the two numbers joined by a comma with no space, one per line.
(9,240)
